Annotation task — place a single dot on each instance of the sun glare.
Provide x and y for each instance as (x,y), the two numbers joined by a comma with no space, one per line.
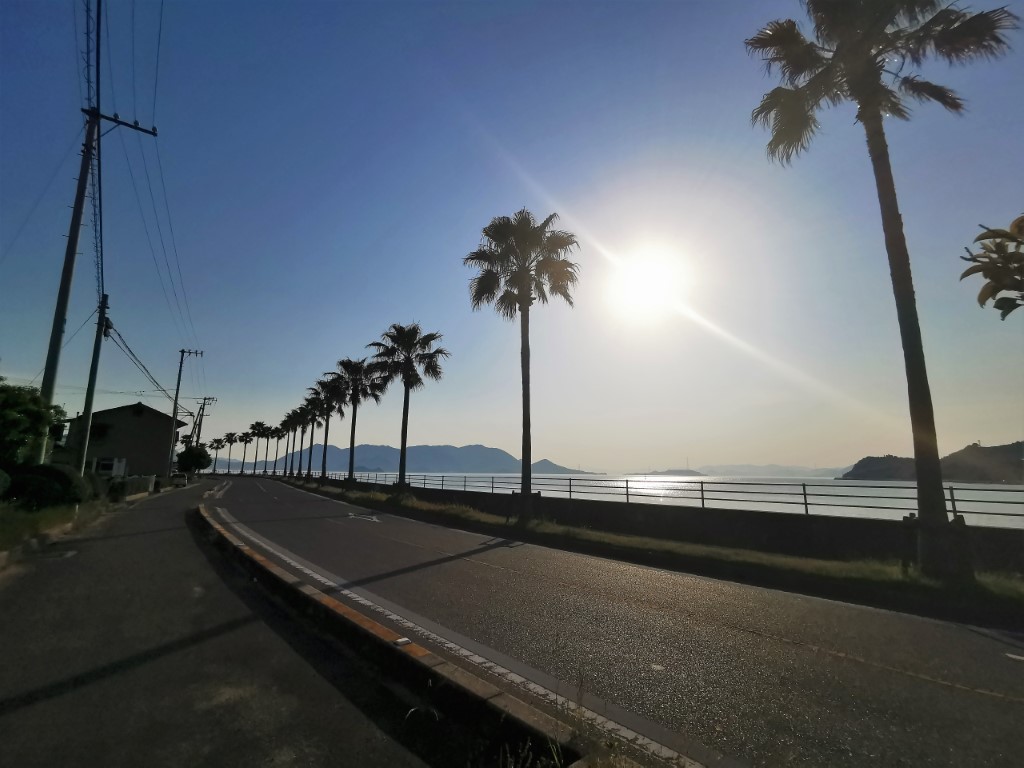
(646,286)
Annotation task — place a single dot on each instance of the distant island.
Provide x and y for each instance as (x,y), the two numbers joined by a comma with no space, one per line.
(677,472)
(973,464)
(771,470)
(466,459)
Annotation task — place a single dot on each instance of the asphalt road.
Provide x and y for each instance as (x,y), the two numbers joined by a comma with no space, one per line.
(131,644)
(760,676)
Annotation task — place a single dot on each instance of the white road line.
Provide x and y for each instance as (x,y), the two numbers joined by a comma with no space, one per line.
(564,704)
(262,488)
(1015,657)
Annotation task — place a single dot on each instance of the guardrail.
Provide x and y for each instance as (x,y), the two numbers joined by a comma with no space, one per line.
(808,498)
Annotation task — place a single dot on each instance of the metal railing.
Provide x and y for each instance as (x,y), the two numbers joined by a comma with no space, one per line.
(780,496)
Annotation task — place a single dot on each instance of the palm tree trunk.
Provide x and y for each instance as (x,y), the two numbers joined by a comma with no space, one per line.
(230,445)
(352,445)
(323,457)
(277,452)
(405,437)
(245,450)
(302,447)
(309,458)
(934,555)
(216,457)
(527,462)
(266,453)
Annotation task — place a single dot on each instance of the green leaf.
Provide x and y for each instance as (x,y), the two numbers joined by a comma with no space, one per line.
(987,292)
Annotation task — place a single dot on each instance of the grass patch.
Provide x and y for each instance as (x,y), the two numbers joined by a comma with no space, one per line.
(993,598)
(17,525)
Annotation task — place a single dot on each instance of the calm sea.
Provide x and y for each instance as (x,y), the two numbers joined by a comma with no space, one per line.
(981,504)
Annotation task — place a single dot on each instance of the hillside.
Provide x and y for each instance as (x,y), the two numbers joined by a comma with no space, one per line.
(467,459)
(973,464)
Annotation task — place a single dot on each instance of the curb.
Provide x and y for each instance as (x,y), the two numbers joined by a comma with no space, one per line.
(438,674)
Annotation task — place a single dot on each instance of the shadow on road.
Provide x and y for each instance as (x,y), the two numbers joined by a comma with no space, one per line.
(14,703)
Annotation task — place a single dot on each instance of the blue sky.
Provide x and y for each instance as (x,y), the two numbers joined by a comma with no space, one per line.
(328,165)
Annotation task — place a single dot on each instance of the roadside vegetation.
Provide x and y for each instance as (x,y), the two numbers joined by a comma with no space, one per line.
(993,598)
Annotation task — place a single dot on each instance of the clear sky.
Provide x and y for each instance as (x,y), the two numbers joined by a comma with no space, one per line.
(328,164)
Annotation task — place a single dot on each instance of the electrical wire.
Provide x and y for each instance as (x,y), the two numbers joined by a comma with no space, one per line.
(174,244)
(72,336)
(149,239)
(121,344)
(39,199)
(156,75)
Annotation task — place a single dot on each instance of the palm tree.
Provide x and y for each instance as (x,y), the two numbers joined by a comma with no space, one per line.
(230,438)
(259,431)
(217,445)
(522,262)
(293,423)
(245,439)
(279,434)
(302,415)
(404,351)
(359,381)
(314,407)
(325,396)
(864,52)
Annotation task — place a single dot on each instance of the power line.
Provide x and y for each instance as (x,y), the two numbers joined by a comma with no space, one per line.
(174,244)
(121,344)
(135,101)
(160,234)
(39,199)
(156,75)
(72,336)
(149,239)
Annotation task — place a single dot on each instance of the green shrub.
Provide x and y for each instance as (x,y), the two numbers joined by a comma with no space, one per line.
(63,486)
(5,483)
(35,492)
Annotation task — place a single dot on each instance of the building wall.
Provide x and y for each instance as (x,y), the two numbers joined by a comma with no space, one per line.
(137,433)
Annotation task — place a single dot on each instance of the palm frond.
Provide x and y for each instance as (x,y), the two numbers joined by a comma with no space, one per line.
(791,120)
(924,90)
(781,44)
(976,36)
(484,288)
(507,304)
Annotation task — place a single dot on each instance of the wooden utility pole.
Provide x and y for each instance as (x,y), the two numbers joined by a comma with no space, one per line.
(102,331)
(60,312)
(174,413)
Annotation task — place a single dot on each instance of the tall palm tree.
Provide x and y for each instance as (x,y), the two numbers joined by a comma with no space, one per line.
(259,431)
(326,396)
(217,445)
(245,439)
(230,438)
(405,352)
(293,423)
(359,380)
(279,434)
(865,51)
(314,408)
(301,425)
(522,262)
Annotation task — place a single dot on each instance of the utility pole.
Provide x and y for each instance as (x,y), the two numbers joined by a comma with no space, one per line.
(174,413)
(202,413)
(102,331)
(60,312)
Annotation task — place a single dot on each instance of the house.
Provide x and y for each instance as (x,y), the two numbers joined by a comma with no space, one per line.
(127,440)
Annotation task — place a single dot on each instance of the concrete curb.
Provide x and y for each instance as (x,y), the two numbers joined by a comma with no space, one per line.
(438,673)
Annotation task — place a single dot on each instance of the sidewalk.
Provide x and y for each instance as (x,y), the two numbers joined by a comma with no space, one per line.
(127,645)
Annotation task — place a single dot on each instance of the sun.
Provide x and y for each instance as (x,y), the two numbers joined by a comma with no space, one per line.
(647,286)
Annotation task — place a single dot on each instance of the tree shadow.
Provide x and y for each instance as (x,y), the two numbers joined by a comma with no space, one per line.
(68,684)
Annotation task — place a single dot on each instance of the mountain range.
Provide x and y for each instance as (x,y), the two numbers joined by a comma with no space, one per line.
(973,464)
(419,458)
(771,470)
